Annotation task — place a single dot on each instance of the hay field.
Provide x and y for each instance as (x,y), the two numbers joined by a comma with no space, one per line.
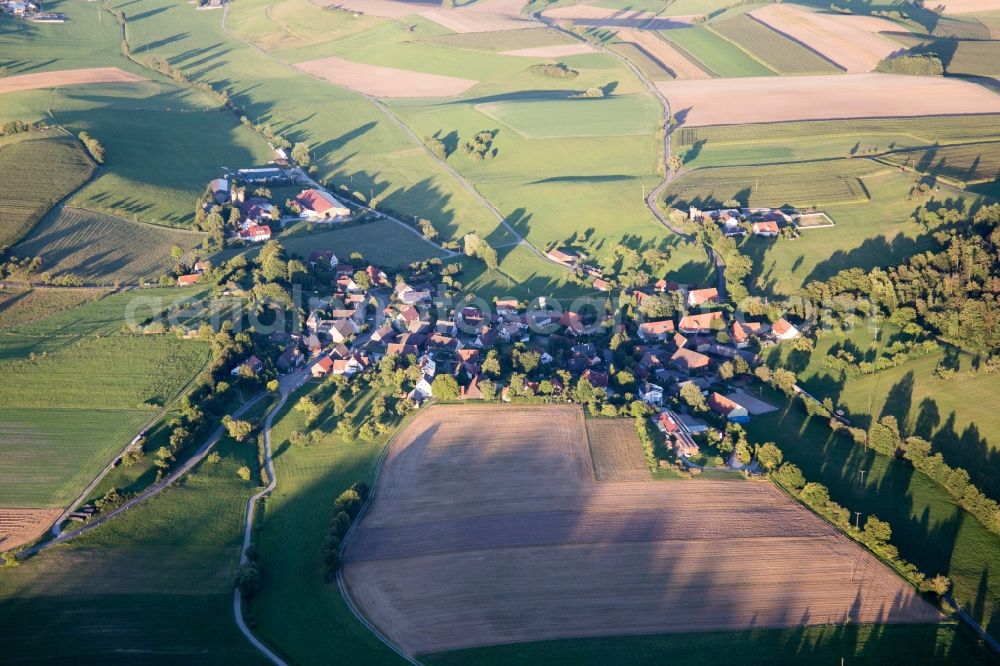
(968,163)
(620,115)
(778,99)
(583,558)
(559,51)
(615,450)
(67,77)
(22,526)
(24,306)
(102,248)
(843,42)
(378,81)
(673,60)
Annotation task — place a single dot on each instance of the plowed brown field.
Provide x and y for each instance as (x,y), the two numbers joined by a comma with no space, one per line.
(67,77)
(488,526)
(616,451)
(22,526)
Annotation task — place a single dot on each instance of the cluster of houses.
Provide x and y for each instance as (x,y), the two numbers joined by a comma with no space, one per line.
(32,10)
(350,331)
(765,222)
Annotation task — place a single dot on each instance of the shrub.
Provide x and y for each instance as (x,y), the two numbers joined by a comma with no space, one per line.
(927,64)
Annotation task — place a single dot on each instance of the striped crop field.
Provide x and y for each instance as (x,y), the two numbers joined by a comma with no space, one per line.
(770,47)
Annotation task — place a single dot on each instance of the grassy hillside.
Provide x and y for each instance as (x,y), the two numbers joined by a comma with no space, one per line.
(105,249)
(36,174)
(64,415)
(152,586)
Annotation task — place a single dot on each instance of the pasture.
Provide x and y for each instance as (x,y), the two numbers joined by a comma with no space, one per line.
(102,248)
(584,558)
(153,585)
(66,413)
(927,527)
(778,99)
(37,173)
(704,48)
(772,48)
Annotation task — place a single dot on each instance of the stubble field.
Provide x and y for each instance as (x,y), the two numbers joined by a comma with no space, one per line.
(585,558)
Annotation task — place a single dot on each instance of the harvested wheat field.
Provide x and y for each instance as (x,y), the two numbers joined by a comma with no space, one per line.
(664,53)
(488,526)
(67,77)
(615,450)
(968,6)
(483,16)
(381,8)
(852,45)
(19,527)
(769,99)
(379,81)
(558,51)
(602,17)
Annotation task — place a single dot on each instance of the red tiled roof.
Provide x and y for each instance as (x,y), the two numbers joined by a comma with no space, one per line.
(699,296)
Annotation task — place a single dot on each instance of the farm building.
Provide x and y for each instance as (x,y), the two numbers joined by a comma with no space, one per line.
(742,332)
(727,408)
(188,280)
(701,323)
(264,176)
(783,330)
(319,205)
(766,228)
(656,330)
(564,258)
(220,190)
(698,297)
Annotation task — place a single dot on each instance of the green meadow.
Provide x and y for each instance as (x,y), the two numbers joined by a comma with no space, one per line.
(65,414)
(152,586)
(620,115)
(718,56)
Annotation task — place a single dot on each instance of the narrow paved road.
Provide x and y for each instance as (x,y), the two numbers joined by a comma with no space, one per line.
(154,489)
(288,384)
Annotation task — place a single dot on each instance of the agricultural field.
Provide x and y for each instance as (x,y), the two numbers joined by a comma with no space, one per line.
(714,54)
(615,451)
(21,306)
(65,414)
(36,174)
(969,164)
(929,529)
(799,185)
(620,115)
(153,585)
(441,507)
(104,249)
(770,47)
(972,57)
(650,67)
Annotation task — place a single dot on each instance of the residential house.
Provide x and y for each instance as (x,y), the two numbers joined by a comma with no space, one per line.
(321,256)
(601,285)
(413,297)
(472,391)
(322,367)
(656,330)
(256,233)
(767,228)
(688,360)
(783,330)
(188,280)
(727,408)
(321,206)
(704,322)
(507,307)
(596,379)
(290,359)
(651,394)
(443,343)
(698,297)
(400,349)
(427,365)
(253,364)
(383,335)
(312,344)
(422,391)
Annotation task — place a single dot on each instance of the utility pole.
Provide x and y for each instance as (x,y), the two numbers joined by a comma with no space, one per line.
(857,520)
(862,473)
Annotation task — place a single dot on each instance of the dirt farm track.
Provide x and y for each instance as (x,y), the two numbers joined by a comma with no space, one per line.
(488,527)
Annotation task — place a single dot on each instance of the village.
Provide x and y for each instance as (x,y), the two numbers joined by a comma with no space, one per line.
(689,371)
